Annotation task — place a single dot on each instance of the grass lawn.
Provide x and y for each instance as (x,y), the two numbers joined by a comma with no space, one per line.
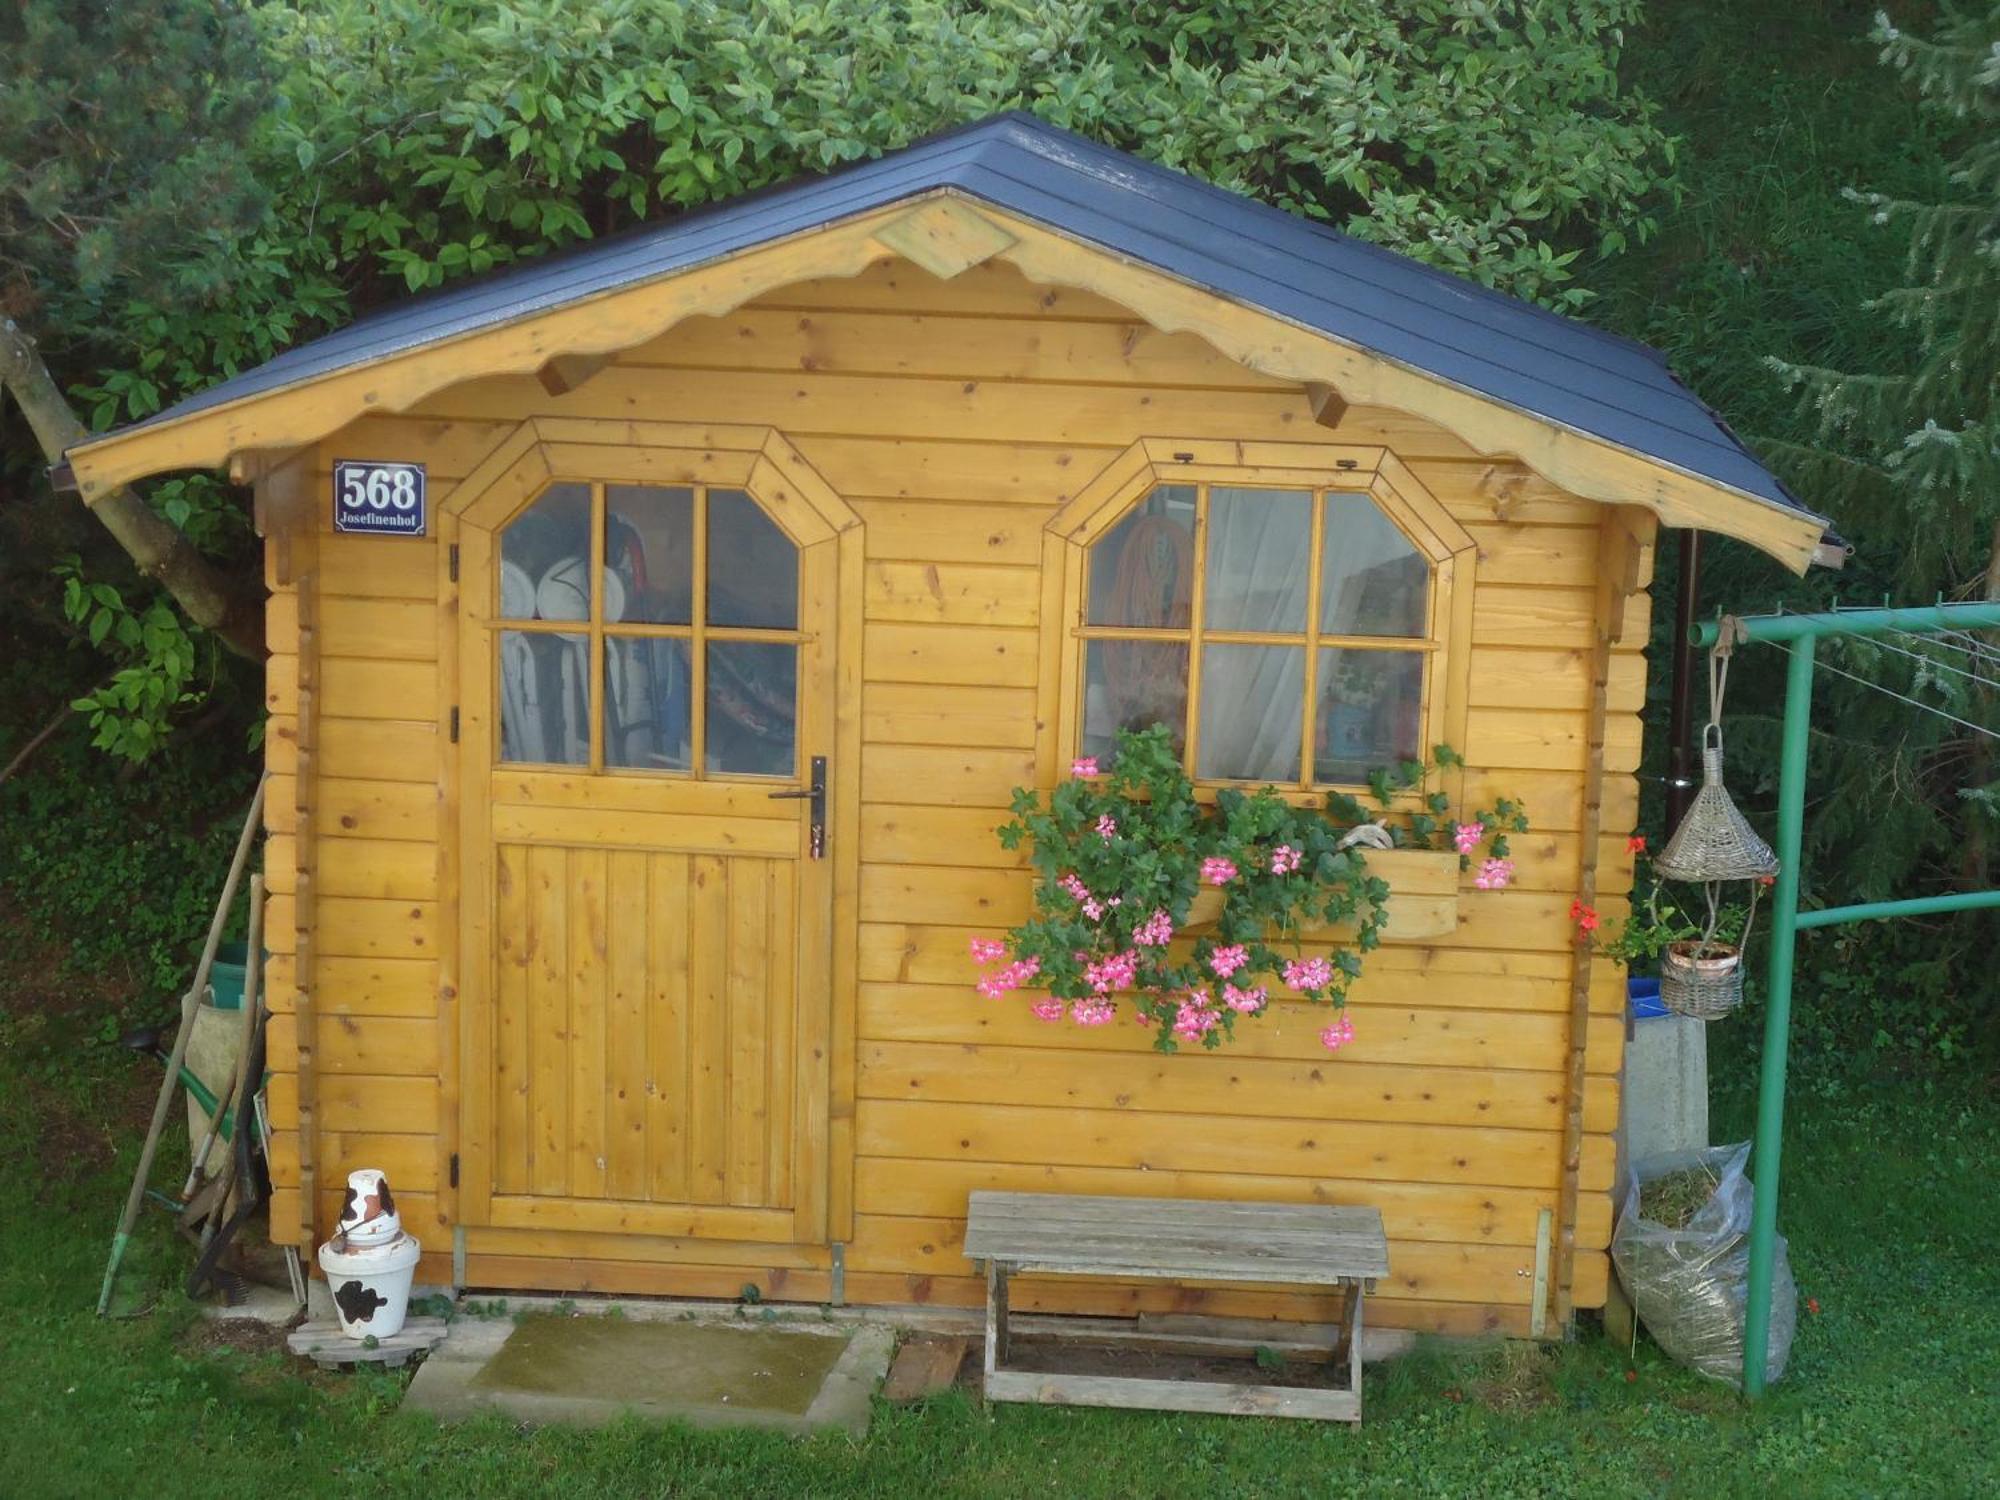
(1892,1210)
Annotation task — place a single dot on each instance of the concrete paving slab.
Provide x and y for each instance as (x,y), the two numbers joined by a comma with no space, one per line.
(586,1371)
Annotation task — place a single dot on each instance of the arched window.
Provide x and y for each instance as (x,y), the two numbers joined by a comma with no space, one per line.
(1292,626)
(682,659)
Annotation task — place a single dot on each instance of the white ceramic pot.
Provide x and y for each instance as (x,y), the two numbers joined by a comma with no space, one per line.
(368,1217)
(371,1286)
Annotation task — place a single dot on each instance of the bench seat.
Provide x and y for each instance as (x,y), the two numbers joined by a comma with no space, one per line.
(1180,1239)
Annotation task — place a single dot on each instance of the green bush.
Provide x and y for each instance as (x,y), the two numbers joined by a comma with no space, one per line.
(119,873)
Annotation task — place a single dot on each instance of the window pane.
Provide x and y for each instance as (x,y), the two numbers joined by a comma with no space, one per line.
(1372,581)
(544,698)
(1370,711)
(1251,699)
(753,694)
(753,568)
(1142,569)
(545,557)
(1132,685)
(648,695)
(1259,559)
(649,547)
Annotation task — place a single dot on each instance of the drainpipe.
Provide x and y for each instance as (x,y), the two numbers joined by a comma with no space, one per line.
(1680,705)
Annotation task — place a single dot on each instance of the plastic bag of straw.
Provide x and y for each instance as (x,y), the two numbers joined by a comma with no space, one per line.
(1682,1249)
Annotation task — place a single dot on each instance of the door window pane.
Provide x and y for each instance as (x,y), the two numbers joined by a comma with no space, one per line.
(545,557)
(753,694)
(753,568)
(649,546)
(1259,560)
(545,698)
(648,702)
(1369,712)
(1132,685)
(1142,570)
(1372,580)
(1252,698)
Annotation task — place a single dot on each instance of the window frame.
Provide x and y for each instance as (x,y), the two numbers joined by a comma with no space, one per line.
(1318,468)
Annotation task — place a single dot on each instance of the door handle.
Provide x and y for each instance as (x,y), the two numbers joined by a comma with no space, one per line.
(815,793)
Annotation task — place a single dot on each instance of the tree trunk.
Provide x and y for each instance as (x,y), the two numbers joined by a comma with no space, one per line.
(231,609)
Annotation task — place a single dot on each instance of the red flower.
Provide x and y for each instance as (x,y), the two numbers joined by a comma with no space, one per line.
(1636,844)
(1585,917)
(1812,1306)
(1767,880)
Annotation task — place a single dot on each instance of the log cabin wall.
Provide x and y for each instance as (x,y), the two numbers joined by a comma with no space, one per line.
(954,417)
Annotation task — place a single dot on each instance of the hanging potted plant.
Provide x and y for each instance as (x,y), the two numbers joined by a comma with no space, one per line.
(1698,945)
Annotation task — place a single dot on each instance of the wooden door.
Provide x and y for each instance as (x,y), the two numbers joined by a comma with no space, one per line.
(646,905)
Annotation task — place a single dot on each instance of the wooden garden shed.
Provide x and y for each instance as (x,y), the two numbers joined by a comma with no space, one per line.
(583,577)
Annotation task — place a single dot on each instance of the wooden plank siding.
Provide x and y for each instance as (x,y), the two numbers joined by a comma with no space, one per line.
(954,418)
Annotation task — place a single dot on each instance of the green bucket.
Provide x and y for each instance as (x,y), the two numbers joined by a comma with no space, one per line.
(226,976)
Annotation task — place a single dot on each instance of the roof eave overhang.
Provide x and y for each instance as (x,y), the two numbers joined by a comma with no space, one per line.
(946,231)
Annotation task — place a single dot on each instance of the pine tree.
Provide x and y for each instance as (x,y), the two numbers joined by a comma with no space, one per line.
(1930,434)
(1910,456)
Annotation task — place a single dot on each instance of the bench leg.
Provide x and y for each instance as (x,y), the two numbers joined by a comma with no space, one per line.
(1351,1336)
(996,1315)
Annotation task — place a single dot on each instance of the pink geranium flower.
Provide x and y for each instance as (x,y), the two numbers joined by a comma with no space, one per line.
(1048,1010)
(988,950)
(1307,975)
(1285,859)
(1114,973)
(1465,837)
(1494,875)
(1155,932)
(1107,828)
(1016,974)
(1226,961)
(1243,1002)
(1083,765)
(1216,870)
(1338,1035)
(1094,1012)
(1194,1019)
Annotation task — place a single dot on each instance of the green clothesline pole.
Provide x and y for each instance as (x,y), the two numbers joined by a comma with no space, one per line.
(1803,633)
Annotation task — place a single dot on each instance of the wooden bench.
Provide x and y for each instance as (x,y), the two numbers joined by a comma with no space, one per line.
(1184,1240)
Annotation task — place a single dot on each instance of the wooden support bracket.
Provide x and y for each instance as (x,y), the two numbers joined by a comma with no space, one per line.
(1329,407)
(565,372)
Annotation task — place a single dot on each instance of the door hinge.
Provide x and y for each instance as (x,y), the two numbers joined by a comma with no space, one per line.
(452,558)
(454,723)
(454,1169)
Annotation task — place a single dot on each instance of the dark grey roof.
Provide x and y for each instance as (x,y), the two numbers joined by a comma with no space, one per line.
(1573,375)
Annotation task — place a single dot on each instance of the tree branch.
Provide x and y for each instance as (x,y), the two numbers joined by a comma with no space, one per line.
(229,608)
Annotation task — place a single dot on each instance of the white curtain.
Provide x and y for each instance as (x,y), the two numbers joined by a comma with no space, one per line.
(1258,571)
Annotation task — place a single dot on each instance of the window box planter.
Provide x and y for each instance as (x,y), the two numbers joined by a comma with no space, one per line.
(1423,899)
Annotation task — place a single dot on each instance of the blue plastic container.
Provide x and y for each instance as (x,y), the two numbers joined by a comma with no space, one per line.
(1642,997)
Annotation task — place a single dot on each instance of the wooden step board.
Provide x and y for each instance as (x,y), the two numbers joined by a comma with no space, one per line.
(1177,1239)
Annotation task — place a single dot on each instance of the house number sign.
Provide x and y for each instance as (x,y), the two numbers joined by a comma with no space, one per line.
(383,498)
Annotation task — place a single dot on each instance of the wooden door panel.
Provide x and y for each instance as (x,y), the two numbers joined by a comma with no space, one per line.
(644,1027)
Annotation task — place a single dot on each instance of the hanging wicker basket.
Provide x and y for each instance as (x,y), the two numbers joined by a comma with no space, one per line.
(1707,988)
(1715,841)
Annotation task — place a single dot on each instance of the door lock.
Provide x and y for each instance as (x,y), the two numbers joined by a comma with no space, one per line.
(815,793)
